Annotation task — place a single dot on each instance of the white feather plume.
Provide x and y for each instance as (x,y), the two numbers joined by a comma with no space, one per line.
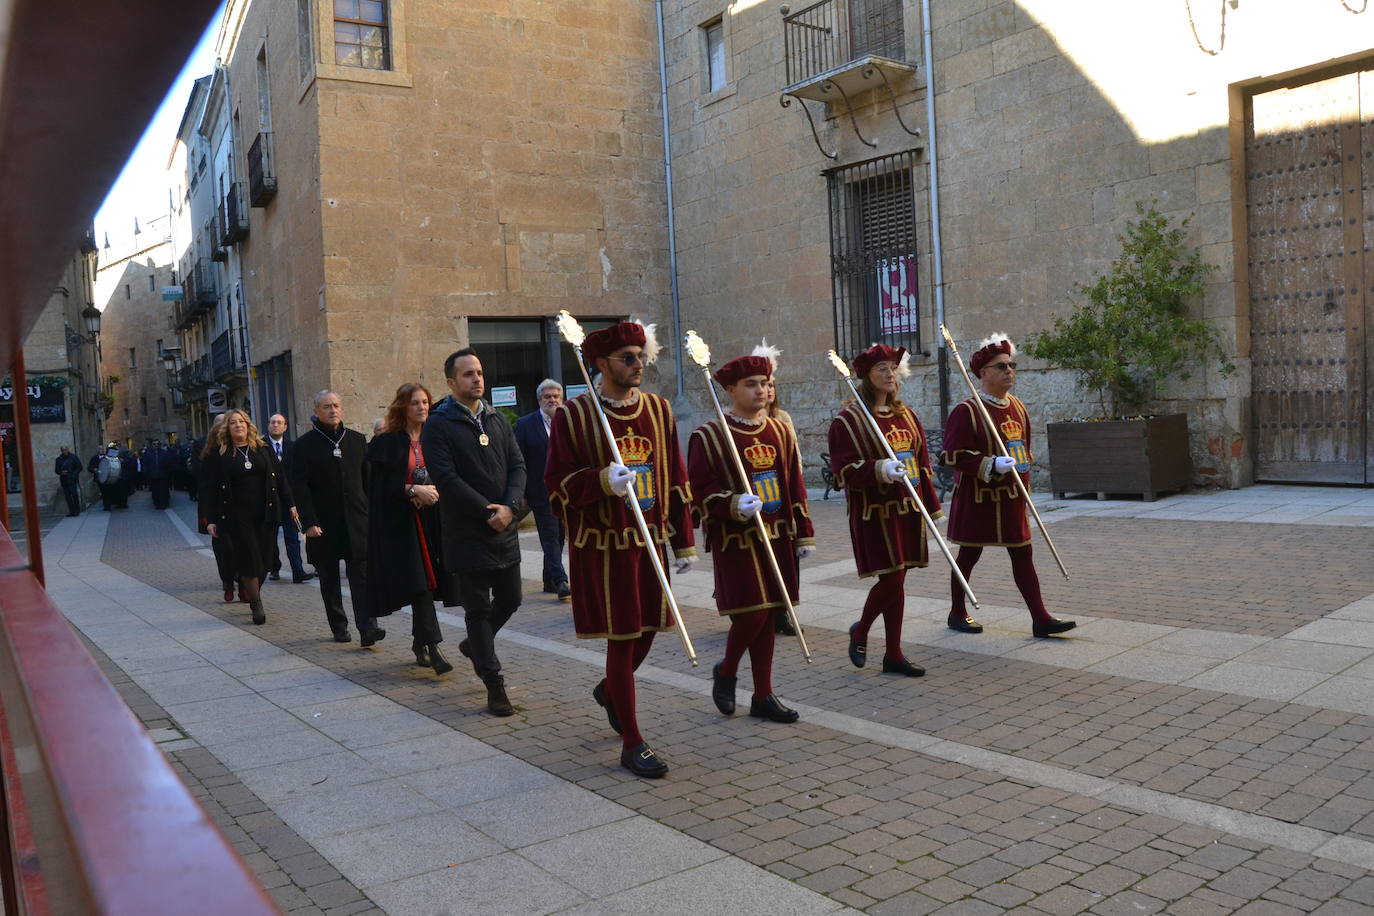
(904,366)
(995,338)
(651,346)
(766,349)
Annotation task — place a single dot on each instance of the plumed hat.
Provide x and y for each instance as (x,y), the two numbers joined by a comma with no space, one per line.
(742,367)
(882,353)
(990,348)
(632,333)
(768,352)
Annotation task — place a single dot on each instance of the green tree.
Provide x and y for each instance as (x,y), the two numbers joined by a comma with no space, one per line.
(1133,330)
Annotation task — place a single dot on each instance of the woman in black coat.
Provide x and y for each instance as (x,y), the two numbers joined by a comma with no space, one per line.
(404,559)
(245,492)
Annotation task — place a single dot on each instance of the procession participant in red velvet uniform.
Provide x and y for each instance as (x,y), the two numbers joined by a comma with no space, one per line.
(987,509)
(616,595)
(746,589)
(885,526)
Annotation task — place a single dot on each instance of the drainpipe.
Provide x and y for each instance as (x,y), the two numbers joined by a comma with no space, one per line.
(668,179)
(937,252)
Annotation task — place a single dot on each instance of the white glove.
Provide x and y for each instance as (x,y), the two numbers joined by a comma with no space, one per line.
(684,564)
(1001,465)
(805,551)
(891,470)
(748,505)
(619,478)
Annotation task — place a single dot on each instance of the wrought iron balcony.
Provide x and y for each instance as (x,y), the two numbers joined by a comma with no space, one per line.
(206,285)
(218,248)
(233,215)
(262,170)
(227,356)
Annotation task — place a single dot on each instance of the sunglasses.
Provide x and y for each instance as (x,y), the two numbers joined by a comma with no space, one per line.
(1004,367)
(631,359)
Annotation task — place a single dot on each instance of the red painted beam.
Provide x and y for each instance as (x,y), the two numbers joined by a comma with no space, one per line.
(28,480)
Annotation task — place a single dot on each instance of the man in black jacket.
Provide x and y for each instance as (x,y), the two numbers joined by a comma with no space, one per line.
(69,473)
(472,458)
(328,476)
(278,443)
(157,470)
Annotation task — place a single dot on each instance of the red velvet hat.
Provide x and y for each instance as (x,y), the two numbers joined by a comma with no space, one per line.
(878,353)
(602,343)
(988,353)
(742,367)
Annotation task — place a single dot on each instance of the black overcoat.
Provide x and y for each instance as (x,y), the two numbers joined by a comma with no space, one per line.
(395,569)
(332,493)
(470,476)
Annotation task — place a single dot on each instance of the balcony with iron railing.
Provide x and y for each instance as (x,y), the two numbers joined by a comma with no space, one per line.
(206,285)
(219,250)
(233,215)
(228,355)
(262,170)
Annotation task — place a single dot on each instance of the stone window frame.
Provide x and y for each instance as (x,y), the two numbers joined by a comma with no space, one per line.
(727,89)
(324,68)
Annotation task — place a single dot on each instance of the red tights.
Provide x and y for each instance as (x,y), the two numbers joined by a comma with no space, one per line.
(752,630)
(623,658)
(887,598)
(1022,570)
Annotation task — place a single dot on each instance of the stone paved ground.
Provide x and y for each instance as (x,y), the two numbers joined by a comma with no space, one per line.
(991,784)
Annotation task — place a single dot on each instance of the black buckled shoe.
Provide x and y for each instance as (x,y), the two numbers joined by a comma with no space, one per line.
(1052,627)
(965,625)
(771,708)
(599,694)
(723,691)
(642,761)
(858,652)
(372,636)
(904,666)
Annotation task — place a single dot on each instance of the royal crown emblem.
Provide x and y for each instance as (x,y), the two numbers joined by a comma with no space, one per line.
(1012,430)
(761,455)
(635,449)
(900,438)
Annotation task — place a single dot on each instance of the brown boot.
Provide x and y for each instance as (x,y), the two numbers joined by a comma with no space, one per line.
(497,702)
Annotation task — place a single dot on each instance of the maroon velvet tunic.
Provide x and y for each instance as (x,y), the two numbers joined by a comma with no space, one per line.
(986,509)
(885,526)
(615,593)
(744,577)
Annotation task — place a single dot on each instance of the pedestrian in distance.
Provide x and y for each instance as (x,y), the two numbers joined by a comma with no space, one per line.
(885,526)
(405,554)
(328,476)
(68,470)
(532,434)
(290,528)
(472,458)
(246,492)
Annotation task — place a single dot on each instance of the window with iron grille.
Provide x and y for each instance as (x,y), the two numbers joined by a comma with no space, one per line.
(360,34)
(873,253)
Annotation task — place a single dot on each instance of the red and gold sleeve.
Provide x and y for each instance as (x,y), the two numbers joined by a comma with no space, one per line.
(925,487)
(567,476)
(853,469)
(796,482)
(713,496)
(678,508)
(964,448)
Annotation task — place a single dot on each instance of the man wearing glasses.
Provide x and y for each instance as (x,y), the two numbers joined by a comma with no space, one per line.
(987,509)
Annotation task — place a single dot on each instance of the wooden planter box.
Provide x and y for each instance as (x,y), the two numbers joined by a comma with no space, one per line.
(1147,456)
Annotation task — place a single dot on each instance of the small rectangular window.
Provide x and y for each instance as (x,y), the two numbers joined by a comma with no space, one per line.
(714,34)
(152,283)
(160,351)
(143,402)
(163,403)
(133,357)
(128,293)
(305,48)
(360,34)
(126,416)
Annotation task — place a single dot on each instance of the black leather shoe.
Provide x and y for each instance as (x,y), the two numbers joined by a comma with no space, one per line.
(421,654)
(858,652)
(549,587)
(440,664)
(781,625)
(564,591)
(902,667)
(771,708)
(642,761)
(259,615)
(275,575)
(723,691)
(465,649)
(498,704)
(304,577)
(342,636)
(965,625)
(374,635)
(599,694)
(1055,625)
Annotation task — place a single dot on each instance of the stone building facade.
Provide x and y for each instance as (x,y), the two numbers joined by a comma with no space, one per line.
(427,175)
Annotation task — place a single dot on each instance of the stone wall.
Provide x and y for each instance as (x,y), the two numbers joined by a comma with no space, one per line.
(138,319)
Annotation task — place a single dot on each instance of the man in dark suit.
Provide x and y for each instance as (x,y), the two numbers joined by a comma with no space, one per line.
(277,441)
(532,435)
(69,473)
(157,469)
(328,475)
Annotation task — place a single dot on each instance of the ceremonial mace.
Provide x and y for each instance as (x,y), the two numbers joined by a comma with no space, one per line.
(701,355)
(572,332)
(877,430)
(1001,446)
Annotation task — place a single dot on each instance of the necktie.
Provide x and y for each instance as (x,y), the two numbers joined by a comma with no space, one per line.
(277,446)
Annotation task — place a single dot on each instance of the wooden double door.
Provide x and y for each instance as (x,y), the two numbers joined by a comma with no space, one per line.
(1309,175)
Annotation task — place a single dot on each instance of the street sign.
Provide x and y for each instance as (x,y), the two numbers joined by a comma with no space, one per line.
(503,397)
(171,293)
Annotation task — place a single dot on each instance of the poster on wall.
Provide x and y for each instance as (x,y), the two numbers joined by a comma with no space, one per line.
(897,295)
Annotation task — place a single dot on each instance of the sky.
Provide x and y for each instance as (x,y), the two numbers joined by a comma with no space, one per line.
(141,189)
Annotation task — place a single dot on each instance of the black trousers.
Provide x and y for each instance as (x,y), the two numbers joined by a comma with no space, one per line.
(490,597)
(424,621)
(161,490)
(72,490)
(331,590)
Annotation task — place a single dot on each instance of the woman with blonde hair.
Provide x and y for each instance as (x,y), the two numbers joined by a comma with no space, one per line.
(404,557)
(246,490)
